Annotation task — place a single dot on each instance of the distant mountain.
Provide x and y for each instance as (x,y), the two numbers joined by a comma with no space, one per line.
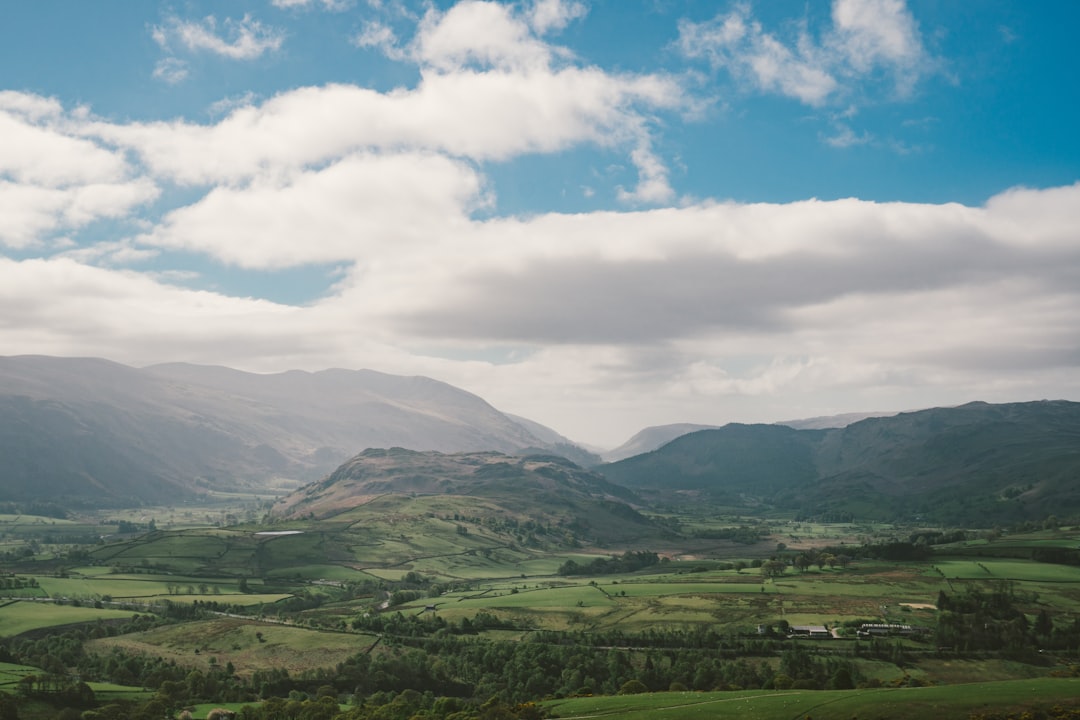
(826,422)
(544,489)
(974,464)
(657,436)
(651,438)
(554,442)
(94,432)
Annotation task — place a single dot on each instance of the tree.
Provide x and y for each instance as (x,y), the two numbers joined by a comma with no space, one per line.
(1044,625)
(773,568)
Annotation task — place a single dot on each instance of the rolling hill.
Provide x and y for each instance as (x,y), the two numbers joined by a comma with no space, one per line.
(93,432)
(977,463)
(547,490)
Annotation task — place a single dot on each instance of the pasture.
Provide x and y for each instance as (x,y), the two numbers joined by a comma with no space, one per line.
(906,703)
(23,616)
(248,644)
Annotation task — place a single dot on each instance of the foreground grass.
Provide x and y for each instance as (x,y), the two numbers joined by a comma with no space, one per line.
(953,701)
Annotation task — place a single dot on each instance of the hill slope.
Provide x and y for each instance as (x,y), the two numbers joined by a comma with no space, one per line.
(546,490)
(91,431)
(977,463)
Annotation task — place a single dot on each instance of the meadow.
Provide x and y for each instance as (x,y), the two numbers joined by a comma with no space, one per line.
(908,703)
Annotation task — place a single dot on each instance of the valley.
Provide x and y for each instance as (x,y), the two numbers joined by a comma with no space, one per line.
(478,602)
(175,556)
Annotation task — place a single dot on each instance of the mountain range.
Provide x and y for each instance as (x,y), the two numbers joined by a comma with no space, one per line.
(973,464)
(85,431)
(90,432)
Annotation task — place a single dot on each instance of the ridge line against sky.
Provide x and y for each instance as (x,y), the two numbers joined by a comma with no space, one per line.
(598,215)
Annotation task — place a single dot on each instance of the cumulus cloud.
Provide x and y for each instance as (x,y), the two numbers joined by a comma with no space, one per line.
(866,37)
(362,207)
(490,90)
(52,179)
(554,15)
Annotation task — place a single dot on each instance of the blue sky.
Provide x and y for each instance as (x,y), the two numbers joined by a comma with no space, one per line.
(600,215)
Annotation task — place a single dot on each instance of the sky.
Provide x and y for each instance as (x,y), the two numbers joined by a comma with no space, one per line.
(600,215)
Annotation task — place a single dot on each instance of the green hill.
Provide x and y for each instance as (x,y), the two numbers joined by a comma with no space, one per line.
(545,490)
(978,463)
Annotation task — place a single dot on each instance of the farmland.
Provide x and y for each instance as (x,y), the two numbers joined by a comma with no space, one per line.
(408,594)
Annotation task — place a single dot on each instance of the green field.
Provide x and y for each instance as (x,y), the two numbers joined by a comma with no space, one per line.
(317,584)
(894,703)
(23,616)
(248,644)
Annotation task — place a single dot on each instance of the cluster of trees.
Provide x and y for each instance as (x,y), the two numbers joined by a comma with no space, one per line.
(744,534)
(976,620)
(39,508)
(628,562)
(11,582)
(482,679)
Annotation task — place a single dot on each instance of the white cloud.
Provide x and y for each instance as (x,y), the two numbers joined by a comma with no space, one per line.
(845,137)
(490,90)
(482,116)
(361,208)
(333,5)
(554,15)
(244,39)
(51,179)
(865,36)
(171,70)
(482,33)
(739,44)
(29,212)
(712,311)
(873,33)
(380,37)
(44,154)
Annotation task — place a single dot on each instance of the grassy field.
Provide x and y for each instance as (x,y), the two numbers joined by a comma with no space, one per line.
(894,703)
(248,644)
(349,565)
(11,674)
(23,616)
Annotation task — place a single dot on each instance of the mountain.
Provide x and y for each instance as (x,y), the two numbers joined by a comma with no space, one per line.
(554,442)
(974,464)
(651,438)
(94,432)
(657,436)
(547,490)
(826,422)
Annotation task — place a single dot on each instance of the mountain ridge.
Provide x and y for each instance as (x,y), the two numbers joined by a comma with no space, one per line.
(992,463)
(91,431)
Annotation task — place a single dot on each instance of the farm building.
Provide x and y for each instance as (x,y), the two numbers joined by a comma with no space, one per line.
(810,631)
(880,629)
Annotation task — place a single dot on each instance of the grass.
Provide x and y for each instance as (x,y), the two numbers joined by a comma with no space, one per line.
(248,644)
(998,569)
(24,616)
(11,674)
(893,703)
